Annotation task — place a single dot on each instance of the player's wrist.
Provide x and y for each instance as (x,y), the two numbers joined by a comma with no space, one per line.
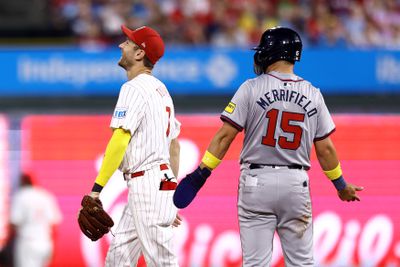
(94,194)
(97,188)
(334,173)
(339,183)
(210,160)
(336,176)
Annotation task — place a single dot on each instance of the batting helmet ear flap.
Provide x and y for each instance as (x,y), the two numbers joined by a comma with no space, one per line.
(259,63)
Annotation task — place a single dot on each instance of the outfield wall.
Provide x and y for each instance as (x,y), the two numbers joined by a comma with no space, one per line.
(367,233)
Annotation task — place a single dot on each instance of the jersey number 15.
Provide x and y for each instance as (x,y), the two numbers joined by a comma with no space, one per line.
(270,140)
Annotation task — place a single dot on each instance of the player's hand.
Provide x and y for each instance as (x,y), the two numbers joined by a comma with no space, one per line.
(177,221)
(350,193)
(187,189)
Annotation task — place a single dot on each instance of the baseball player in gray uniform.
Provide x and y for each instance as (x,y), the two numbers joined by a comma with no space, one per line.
(282,115)
(145,148)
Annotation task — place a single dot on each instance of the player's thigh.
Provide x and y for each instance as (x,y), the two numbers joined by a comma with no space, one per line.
(297,247)
(294,201)
(165,206)
(153,213)
(158,246)
(125,247)
(256,236)
(295,219)
(155,230)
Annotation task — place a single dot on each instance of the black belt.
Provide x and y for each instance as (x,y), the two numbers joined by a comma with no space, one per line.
(294,166)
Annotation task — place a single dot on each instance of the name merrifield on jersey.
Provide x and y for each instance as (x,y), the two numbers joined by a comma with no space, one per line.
(287,96)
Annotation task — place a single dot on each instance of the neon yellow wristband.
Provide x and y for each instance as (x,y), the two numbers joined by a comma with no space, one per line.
(210,160)
(335,173)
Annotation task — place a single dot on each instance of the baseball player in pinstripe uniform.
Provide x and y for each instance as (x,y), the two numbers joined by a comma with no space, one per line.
(282,115)
(144,147)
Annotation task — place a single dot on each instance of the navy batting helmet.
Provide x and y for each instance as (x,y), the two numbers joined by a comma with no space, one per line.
(277,43)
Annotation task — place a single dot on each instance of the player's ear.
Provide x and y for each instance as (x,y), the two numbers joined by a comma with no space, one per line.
(139,54)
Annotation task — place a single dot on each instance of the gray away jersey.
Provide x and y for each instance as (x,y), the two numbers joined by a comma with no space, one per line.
(282,116)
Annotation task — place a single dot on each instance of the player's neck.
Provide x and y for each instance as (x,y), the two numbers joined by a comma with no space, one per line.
(135,71)
(281,66)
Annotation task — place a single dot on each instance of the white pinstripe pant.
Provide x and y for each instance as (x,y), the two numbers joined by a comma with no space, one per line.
(145,226)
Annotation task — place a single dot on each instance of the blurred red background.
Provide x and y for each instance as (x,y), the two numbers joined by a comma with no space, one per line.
(64,153)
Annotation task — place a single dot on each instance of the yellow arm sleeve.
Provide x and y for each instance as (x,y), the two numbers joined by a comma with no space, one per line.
(113,156)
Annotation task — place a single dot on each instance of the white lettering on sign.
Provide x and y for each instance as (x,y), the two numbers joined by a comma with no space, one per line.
(388,70)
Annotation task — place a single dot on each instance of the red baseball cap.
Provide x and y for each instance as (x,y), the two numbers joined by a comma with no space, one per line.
(147,39)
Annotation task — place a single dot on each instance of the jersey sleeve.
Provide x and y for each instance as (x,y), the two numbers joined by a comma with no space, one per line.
(129,110)
(236,111)
(176,128)
(325,124)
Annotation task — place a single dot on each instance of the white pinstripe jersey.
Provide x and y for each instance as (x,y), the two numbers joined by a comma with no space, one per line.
(146,109)
(282,115)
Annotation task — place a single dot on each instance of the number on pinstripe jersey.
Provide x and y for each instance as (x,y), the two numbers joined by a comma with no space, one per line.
(287,117)
(168,109)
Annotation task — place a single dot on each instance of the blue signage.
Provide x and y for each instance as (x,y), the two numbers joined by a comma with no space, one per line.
(189,71)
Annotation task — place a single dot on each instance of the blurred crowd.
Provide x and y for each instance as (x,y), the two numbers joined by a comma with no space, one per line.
(324,23)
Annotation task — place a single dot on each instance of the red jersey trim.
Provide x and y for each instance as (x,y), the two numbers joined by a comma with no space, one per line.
(231,122)
(286,80)
(325,136)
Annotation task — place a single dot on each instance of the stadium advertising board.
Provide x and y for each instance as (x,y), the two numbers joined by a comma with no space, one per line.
(4,180)
(188,71)
(65,153)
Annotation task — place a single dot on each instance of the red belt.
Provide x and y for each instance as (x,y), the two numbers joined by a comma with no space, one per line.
(163,167)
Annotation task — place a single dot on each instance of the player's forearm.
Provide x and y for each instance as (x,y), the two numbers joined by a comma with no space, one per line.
(192,183)
(326,154)
(220,144)
(328,159)
(112,158)
(174,152)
